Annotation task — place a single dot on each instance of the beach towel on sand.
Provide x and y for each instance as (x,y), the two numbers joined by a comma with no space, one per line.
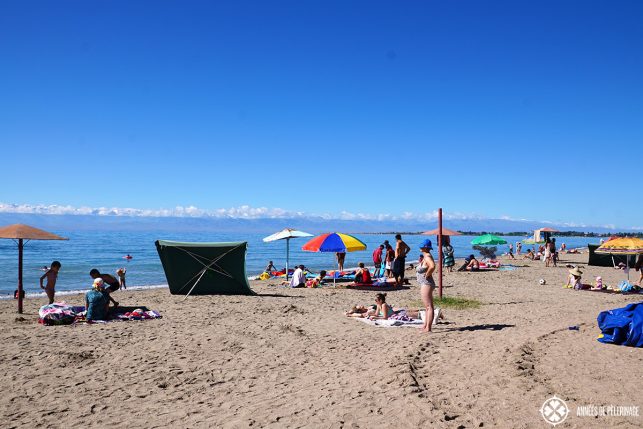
(622,326)
(391,323)
(60,313)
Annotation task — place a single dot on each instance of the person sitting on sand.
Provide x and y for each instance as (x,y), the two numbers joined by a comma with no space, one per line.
(382,309)
(298,278)
(113,284)
(363,275)
(97,301)
(574,279)
(474,264)
(317,281)
(529,255)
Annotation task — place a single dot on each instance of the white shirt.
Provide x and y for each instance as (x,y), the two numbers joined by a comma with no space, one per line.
(298,277)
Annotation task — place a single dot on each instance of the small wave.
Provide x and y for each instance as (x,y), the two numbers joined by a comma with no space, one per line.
(31,295)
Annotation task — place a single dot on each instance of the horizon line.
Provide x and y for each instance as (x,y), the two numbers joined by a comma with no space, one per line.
(247,212)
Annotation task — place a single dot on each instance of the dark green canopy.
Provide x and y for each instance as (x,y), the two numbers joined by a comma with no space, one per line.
(205,268)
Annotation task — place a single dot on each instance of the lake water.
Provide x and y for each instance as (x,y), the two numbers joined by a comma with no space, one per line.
(106,251)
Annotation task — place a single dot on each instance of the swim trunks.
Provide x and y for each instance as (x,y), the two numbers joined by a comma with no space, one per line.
(398,266)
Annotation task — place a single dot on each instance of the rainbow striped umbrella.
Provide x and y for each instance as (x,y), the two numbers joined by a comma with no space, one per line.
(334,242)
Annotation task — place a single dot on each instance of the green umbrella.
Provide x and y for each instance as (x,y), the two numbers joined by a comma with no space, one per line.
(488,240)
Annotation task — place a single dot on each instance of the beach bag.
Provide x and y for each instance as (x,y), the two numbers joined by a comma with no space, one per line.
(625,286)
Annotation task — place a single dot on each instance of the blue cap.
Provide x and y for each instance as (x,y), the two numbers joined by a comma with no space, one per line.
(426,244)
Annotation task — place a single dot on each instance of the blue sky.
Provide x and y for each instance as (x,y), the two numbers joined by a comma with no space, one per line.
(521,109)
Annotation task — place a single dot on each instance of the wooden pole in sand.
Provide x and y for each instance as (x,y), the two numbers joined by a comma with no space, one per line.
(440,256)
(20,245)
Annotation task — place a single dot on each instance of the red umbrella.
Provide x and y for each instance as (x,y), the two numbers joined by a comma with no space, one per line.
(22,232)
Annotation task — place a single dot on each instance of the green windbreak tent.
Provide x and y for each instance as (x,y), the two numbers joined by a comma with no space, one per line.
(204,268)
(602,260)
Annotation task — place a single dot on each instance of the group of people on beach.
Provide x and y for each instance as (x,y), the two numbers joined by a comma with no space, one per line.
(424,275)
(548,253)
(97,300)
(393,261)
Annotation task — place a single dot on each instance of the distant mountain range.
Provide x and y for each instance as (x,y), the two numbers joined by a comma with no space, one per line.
(310,224)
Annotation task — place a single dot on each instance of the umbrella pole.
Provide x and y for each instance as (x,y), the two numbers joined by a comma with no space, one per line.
(20,245)
(440,256)
(287,255)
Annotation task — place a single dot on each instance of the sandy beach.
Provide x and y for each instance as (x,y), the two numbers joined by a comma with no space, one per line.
(290,358)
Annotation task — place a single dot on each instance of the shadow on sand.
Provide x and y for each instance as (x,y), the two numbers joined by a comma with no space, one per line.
(485,327)
(277,295)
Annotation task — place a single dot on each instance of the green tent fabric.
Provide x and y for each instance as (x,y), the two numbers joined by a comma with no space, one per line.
(205,268)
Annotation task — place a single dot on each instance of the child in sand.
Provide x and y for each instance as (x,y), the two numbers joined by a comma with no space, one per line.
(317,281)
(52,276)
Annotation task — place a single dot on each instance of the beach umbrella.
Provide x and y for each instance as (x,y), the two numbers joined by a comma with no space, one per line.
(19,233)
(445,231)
(488,240)
(286,234)
(334,242)
(622,246)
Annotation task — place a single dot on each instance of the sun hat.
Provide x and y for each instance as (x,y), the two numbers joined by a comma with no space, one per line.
(576,272)
(426,244)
